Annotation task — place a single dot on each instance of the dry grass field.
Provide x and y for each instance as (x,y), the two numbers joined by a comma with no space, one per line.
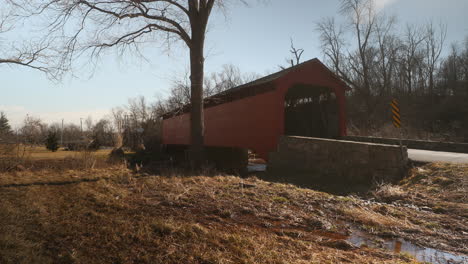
(114,215)
(26,157)
(41,153)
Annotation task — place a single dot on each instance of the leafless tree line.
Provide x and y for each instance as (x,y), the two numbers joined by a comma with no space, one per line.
(374,58)
(379,60)
(229,76)
(33,132)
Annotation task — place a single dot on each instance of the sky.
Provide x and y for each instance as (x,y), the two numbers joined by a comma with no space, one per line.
(256,38)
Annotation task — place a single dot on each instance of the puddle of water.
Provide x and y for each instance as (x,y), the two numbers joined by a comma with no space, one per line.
(422,254)
(253,167)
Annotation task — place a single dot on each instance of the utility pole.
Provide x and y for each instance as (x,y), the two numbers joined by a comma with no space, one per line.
(81,124)
(28,129)
(61,135)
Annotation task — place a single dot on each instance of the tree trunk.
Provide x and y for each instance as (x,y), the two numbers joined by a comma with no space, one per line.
(196,99)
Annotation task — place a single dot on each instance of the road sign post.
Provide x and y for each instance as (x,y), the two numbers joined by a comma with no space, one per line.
(396,120)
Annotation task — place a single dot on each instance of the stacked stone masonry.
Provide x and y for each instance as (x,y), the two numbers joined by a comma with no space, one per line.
(326,160)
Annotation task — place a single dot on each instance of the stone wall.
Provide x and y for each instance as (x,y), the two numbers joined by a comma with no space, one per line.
(414,144)
(310,160)
(224,159)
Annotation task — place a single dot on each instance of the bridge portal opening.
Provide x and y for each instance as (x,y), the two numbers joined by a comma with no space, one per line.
(311,111)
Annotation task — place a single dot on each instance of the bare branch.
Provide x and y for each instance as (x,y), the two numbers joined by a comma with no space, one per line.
(296,52)
(32,54)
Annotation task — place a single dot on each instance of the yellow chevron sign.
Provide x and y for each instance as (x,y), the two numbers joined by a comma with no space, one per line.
(395,113)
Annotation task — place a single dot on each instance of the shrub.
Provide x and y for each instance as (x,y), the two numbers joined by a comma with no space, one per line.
(52,141)
(95,144)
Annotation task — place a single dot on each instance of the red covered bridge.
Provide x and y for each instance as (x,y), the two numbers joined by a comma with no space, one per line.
(304,100)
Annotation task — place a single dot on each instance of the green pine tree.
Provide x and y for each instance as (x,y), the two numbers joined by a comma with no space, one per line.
(52,141)
(5,128)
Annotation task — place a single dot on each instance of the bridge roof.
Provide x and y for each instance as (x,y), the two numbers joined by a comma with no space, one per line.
(250,89)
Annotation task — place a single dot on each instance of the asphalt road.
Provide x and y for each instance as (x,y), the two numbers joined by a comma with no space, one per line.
(437,156)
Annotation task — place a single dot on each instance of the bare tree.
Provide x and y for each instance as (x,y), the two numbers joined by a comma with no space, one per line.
(388,46)
(434,44)
(296,55)
(228,77)
(361,18)
(179,93)
(33,130)
(412,39)
(102,134)
(138,109)
(92,26)
(89,123)
(118,116)
(356,67)
(332,43)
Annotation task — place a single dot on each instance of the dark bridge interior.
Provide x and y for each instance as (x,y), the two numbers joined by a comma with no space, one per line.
(311,111)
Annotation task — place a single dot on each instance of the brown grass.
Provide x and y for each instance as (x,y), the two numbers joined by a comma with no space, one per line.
(138,218)
(41,153)
(390,193)
(373,219)
(443,180)
(23,157)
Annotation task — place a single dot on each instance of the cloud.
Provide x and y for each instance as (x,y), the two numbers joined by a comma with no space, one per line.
(17,113)
(381,4)
(14,113)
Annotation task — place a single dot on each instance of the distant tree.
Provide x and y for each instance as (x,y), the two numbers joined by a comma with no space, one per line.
(387,45)
(102,134)
(434,45)
(333,44)
(89,123)
(72,133)
(353,67)
(33,130)
(362,19)
(5,128)
(118,118)
(229,76)
(296,56)
(52,141)
(412,57)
